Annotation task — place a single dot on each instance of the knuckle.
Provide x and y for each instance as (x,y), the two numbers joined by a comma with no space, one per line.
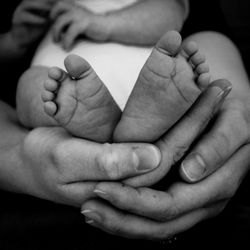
(168,209)
(108,162)
(214,152)
(169,214)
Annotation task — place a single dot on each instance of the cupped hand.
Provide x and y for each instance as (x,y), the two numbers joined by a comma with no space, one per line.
(157,215)
(151,214)
(64,169)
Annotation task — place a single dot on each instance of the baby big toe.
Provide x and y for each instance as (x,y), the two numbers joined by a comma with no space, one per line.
(170,43)
(76,66)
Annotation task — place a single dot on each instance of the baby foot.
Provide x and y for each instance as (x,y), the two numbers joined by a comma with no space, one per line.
(79,101)
(169,83)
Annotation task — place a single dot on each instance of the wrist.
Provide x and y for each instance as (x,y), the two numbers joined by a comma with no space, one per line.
(13,177)
(13,165)
(99,28)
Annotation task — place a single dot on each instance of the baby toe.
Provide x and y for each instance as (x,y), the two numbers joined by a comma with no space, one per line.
(50,108)
(203,80)
(51,85)
(197,59)
(57,74)
(190,48)
(202,68)
(47,96)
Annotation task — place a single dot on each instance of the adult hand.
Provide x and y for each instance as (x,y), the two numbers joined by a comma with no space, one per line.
(30,22)
(72,21)
(64,169)
(151,214)
(229,133)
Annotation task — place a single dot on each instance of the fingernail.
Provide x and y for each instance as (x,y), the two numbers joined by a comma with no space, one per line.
(89,221)
(224,87)
(194,167)
(146,158)
(224,93)
(101,193)
(220,100)
(91,216)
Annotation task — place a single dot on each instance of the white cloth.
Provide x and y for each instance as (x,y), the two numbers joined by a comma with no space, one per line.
(102,6)
(116,64)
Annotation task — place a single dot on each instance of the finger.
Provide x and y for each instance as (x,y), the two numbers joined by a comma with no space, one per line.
(81,160)
(60,8)
(230,132)
(116,222)
(180,198)
(29,18)
(178,140)
(60,26)
(70,36)
(157,205)
(76,194)
(39,8)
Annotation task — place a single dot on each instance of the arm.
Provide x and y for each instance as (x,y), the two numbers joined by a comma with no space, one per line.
(12,135)
(145,21)
(142,23)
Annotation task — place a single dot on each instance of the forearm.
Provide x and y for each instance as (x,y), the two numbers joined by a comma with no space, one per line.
(28,98)
(145,22)
(12,176)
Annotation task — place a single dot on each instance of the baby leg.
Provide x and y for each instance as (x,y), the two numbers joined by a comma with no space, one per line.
(169,83)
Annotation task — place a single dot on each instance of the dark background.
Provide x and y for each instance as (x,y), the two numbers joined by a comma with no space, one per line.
(30,223)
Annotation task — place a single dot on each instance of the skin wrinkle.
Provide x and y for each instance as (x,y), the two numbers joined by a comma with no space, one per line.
(79,100)
(170,77)
(74,110)
(178,89)
(155,73)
